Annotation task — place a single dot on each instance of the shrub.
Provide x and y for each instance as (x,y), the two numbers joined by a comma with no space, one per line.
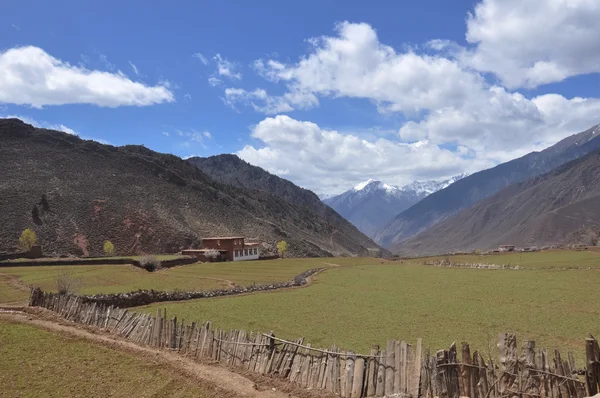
(150,263)
(282,247)
(27,240)
(109,248)
(66,283)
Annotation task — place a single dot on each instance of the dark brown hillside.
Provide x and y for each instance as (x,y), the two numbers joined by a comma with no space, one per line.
(541,211)
(75,194)
(230,169)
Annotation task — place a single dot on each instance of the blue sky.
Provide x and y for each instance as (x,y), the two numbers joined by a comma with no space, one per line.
(324,93)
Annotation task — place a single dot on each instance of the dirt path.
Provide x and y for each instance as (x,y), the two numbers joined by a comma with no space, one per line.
(332,264)
(247,385)
(15,282)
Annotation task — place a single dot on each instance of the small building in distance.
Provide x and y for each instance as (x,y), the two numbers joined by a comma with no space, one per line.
(507,248)
(233,248)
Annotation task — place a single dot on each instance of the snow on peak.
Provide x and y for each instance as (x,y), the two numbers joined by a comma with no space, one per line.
(364,184)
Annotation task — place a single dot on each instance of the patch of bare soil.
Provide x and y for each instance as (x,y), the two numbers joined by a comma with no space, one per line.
(240,384)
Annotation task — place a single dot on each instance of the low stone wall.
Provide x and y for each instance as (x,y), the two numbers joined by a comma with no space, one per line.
(95,261)
(145,297)
(469,265)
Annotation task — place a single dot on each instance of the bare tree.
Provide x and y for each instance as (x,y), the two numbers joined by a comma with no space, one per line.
(66,282)
(591,238)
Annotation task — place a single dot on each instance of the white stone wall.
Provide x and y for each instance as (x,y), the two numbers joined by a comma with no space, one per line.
(246,254)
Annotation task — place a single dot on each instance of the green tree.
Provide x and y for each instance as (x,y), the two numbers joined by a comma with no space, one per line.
(27,240)
(109,248)
(282,247)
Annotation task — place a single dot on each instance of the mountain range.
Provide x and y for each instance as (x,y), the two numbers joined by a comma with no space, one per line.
(464,193)
(540,211)
(372,204)
(75,194)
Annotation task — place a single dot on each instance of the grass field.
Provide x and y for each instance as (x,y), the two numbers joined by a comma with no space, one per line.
(355,307)
(37,363)
(9,294)
(95,279)
(545,259)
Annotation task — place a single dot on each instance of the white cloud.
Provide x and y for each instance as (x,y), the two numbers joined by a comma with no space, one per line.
(226,68)
(214,81)
(455,117)
(329,161)
(187,96)
(15,27)
(265,103)
(106,63)
(355,64)
(33,77)
(201,57)
(527,43)
(135,69)
(190,137)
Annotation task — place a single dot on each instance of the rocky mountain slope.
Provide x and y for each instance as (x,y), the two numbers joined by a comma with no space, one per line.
(373,204)
(75,194)
(467,191)
(230,169)
(543,210)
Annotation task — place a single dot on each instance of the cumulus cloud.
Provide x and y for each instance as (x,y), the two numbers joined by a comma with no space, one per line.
(356,64)
(30,76)
(455,117)
(527,43)
(446,142)
(330,161)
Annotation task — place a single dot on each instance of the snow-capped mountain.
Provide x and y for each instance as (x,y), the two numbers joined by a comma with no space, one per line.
(371,204)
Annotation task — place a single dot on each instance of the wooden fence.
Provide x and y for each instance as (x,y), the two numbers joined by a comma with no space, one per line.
(399,370)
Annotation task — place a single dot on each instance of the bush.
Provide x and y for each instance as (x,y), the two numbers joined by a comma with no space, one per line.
(27,240)
(150,263)
(109,248)
(66,283)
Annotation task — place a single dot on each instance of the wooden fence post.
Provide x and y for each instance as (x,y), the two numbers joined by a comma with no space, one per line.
(592,374)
